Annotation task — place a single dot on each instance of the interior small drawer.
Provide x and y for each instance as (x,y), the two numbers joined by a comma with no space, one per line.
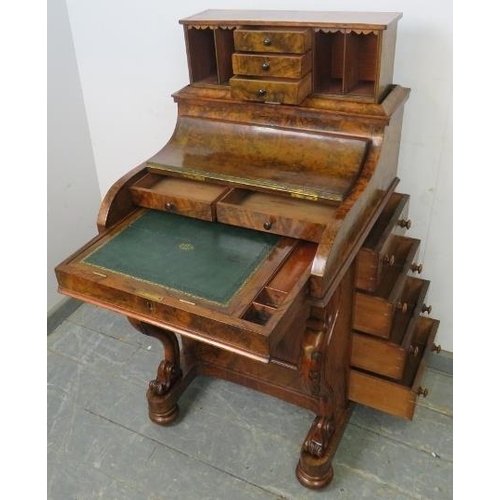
(396,398)
(374,254)
(283,215)
(182,196)
(283,66)
(294,41)
(276,90)
(390,357)
(374,312)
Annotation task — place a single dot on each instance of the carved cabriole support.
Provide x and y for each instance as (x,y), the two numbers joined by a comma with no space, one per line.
(162,401)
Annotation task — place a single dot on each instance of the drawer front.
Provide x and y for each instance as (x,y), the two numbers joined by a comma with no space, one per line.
(181,196)
(287,216)
(282,66)
(397,399)
(375,253)
(284,41)
(270,90)
(374,312)
(390,357)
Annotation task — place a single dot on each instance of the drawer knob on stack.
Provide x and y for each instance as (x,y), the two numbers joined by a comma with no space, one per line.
(268,225)
(402,306)
(436,348)
(170,206)
(266,42)
(265,65)
(406,223)
(261,92)
(423,391)
(389,260)
(414,350)
(426,309)
(416,268)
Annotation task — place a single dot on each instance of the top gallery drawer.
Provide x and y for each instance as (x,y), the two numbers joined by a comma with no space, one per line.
(293,41)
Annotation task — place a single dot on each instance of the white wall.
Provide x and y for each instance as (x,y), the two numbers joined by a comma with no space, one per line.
(131,58)
(73,195)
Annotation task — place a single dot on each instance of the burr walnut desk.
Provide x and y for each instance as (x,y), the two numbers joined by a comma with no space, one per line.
(265,242)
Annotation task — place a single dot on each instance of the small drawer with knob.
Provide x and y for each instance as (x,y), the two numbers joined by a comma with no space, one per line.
(176,195)
(289,40)
(273,90)
(374,311)
(269,65)
(397,398)
(284,215)
(390,357)
(375,255)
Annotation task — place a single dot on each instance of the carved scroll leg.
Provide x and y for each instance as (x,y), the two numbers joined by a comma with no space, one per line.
(314,469)
(162,395)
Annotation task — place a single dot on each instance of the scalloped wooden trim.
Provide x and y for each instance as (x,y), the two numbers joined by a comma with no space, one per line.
(211,26)
(348,30)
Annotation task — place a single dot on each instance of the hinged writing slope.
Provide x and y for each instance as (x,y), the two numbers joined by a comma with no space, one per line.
(265,158)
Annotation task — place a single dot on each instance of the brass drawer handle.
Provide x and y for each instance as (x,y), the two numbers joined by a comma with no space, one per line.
(416,268)
(389,260)
(426,309)
(170,206)
(261,92)
(423,391)
(436,348)
(404,223)
(266,42)
(265,65)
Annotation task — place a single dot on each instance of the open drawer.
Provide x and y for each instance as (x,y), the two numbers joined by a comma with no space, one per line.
(375,253)
(293,217)
(204,280)
(396,398)
(374,312)
(390,357)
(182,196)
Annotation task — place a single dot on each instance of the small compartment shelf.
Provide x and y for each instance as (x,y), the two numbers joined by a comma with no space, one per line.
(209,54)
(352,64)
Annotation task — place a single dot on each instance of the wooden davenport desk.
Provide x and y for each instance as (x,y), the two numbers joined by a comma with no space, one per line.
(267,236)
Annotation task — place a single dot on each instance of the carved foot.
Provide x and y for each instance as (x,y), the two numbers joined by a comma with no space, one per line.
(314,469)
(163,408)
(164,391)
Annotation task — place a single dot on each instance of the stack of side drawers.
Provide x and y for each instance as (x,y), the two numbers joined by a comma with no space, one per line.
(272,65)
(391,338)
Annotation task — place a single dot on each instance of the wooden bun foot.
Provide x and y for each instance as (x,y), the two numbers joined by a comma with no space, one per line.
(161,415)
(314,482)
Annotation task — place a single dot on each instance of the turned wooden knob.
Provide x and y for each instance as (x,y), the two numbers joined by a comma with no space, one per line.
(170,206)
(402,306)
(423,391)
(265,65)
(414,350)
(416,268)
(261,92)
(268,225)
(389,260)
(405,223)
(426,309)
(436,348)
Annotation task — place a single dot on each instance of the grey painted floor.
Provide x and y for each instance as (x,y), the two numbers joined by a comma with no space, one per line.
(230,442)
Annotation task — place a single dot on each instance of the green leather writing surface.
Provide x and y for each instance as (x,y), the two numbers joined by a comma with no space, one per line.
(202,259)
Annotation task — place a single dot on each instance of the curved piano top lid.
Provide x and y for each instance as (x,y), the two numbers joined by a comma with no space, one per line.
(306,164)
